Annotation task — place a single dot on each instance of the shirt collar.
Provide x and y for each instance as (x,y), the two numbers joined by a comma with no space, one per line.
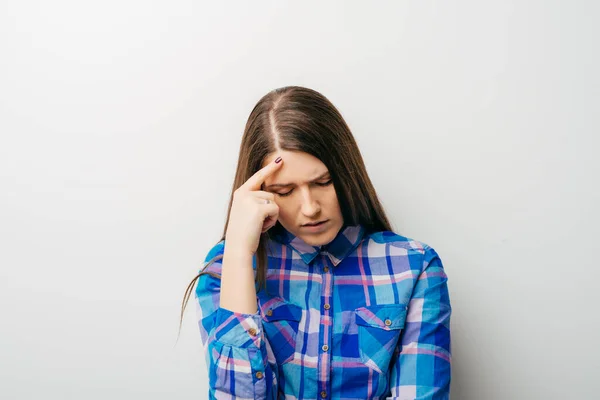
(345,241)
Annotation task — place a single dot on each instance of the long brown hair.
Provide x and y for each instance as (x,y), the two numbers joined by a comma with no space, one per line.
(295,118)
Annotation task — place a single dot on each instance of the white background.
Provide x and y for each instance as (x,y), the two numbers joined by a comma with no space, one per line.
(120,123)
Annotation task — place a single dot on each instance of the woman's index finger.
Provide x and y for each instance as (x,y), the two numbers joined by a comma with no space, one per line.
(256,180)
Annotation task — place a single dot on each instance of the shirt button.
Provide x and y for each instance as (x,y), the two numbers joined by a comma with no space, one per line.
(327,306)
(323,394)
(325,347)
(259,375)
(326,269)
(252,331)
(388,322)
(269,312)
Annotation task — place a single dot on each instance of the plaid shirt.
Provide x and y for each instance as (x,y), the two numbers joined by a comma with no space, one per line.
(365,317)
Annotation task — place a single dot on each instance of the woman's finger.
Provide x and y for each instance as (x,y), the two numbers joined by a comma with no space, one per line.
(259,194)
(271,210)
(268,224)
(256,180)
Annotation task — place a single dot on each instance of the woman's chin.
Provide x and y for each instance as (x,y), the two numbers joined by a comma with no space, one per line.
(317,240)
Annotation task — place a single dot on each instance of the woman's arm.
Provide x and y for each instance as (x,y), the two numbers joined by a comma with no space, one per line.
(233,340)
(421,368)
(237,282)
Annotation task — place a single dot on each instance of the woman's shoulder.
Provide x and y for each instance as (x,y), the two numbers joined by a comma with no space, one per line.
(397,240)
(216,250)
(395,244)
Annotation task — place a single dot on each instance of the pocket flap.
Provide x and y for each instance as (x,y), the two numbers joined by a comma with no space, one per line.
(385,316)
(276,309)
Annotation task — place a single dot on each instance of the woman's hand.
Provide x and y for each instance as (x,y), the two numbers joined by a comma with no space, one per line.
(250,214)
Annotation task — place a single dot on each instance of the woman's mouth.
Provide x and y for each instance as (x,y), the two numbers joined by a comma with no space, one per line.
(315,227)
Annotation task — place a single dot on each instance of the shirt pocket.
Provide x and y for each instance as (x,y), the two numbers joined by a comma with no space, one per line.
(379,328)
(281,320)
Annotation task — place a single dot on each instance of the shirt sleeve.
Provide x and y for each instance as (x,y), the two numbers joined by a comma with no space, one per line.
(234,343)
(421,366)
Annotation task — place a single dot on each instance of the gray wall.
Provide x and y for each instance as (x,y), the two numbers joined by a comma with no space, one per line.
(120,123)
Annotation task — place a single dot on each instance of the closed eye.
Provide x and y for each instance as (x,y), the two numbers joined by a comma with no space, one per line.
(324,183)
(316,183)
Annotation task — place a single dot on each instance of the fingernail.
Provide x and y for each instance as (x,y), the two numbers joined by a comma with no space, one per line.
(277,160)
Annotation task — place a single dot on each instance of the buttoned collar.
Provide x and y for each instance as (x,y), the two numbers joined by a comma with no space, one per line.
(343,244)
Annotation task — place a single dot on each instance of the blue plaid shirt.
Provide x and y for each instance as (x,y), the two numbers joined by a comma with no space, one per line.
(365,317)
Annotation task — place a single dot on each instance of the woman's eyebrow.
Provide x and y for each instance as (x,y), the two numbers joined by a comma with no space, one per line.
(276,185)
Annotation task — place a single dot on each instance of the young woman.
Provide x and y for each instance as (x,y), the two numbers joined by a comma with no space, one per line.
(309,294)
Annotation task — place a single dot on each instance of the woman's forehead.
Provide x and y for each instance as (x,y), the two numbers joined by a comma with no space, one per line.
(297,168)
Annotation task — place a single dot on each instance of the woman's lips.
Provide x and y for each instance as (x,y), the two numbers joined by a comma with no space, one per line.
(313,223)
(316,228)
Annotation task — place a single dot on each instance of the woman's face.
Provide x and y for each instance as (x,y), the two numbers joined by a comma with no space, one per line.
(305,194)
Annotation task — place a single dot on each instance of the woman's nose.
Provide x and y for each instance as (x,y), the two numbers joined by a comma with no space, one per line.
(310,207)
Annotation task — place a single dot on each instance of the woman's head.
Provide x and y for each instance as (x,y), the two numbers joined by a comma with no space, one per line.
(308,132)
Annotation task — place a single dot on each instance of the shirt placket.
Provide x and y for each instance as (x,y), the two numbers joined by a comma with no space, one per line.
(326,329)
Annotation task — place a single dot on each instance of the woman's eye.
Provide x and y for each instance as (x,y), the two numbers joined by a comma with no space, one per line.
(318,183)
